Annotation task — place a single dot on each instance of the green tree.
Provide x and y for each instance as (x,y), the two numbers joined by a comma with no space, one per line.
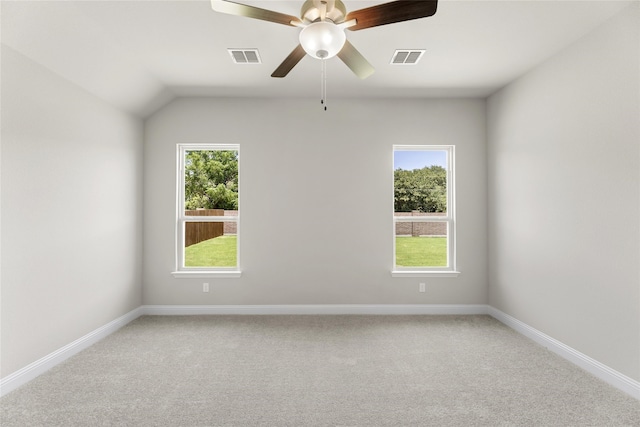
(211,179)
(423,190)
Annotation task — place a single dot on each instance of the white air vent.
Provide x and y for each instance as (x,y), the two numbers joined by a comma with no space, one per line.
(407,57)
(245,56)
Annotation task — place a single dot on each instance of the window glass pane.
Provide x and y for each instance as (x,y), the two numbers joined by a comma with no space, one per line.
(210,244)
(421,244)
(211,180)
(420,181)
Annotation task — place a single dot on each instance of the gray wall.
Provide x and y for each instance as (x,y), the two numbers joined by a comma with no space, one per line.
(71,212)
(564,155)
(332,169)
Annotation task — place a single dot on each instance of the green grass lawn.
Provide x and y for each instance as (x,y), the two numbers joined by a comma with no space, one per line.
(421,251)
(410,252)
(217,252)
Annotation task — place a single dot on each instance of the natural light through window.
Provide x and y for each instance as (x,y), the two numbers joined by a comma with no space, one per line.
(424,207)
(207,222)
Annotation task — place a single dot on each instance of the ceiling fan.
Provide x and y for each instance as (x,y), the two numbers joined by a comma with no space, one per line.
(323,23)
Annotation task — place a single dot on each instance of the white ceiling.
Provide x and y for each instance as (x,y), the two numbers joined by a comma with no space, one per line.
(138,55)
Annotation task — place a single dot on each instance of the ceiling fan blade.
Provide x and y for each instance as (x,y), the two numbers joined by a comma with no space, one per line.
(289,62)
(355,61)
(389,13)
(233,8)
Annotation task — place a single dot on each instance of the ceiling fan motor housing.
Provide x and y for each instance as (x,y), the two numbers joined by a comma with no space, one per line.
(336,11)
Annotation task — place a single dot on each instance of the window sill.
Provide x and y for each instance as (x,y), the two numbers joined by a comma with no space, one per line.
(417,273)
(229,274)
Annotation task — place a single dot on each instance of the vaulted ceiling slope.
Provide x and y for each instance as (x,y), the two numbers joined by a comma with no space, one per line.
(138,55)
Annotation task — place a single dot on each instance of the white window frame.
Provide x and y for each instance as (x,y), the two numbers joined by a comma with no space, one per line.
(449,217)
(181,219)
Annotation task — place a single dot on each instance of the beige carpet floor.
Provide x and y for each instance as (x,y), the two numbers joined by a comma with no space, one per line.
(317,371)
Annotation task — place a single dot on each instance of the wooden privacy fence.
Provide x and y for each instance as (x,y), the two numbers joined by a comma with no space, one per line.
(424,228)
(196,232)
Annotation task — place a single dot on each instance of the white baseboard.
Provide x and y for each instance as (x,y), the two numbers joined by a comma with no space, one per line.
(599,370)
(31,371)
(329,309)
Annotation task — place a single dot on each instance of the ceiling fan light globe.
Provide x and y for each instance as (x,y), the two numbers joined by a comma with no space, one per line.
(322,40)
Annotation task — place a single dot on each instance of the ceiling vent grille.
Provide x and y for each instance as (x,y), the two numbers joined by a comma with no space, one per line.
(245,56)
(407,57)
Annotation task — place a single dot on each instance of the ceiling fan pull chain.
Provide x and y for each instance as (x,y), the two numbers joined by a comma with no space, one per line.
(324,83)
(324,77)
(321,82)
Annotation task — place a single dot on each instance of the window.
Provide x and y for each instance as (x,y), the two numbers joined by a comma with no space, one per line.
(208,220)
(424,217)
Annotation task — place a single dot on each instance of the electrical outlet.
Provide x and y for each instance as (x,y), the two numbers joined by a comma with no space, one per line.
(205,287)
(422,287)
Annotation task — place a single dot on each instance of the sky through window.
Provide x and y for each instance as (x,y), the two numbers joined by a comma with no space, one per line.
(409,160)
